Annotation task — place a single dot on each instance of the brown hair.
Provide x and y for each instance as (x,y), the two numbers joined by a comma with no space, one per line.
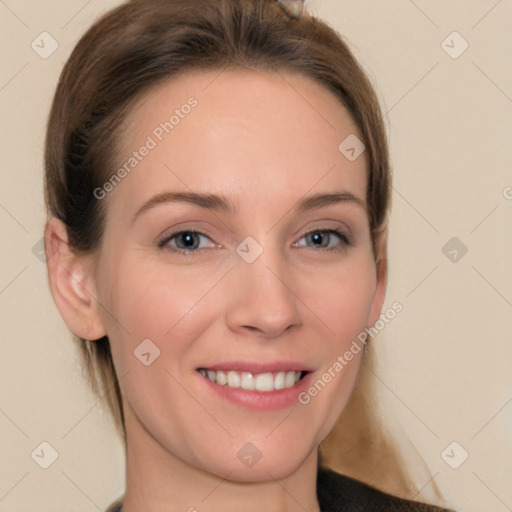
(145,42)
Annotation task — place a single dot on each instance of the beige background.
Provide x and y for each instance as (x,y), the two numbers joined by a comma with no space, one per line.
(445,361)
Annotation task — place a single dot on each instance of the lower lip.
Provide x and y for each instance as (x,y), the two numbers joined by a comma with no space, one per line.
(258,400)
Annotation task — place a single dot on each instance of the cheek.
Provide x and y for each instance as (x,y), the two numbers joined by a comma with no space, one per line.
(162,303)
(342,299)
(344,306)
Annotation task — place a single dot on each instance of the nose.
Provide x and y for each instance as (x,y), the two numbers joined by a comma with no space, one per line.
(263,299)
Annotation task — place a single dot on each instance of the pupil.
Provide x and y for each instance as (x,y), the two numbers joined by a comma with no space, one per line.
(187,239)
(318,238)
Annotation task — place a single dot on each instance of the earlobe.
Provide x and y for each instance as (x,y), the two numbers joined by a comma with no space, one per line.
(72,283)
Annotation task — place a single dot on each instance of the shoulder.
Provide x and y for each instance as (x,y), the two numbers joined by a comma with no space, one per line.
(339,493)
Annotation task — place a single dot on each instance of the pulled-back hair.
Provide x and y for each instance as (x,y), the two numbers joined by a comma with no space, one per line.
(142,43)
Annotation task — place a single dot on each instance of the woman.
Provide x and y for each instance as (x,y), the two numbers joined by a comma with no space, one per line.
(217,185)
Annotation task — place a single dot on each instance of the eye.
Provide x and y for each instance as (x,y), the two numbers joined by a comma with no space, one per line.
(324,239)
(184,241)
(187,242)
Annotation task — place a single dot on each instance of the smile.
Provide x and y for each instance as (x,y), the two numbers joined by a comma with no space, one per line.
(253,381)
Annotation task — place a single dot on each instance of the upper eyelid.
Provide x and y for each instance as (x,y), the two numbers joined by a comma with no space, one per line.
(340,232)
(166,238)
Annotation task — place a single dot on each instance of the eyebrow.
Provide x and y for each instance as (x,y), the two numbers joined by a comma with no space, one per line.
(221,203)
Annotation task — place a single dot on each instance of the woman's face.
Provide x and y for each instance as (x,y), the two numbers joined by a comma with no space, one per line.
(237,241)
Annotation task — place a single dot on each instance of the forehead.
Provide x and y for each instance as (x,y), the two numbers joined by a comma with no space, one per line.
(242,129)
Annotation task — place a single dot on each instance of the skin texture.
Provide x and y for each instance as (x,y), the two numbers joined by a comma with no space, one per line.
(264,141)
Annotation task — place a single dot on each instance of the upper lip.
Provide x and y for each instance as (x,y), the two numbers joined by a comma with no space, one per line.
(258,367)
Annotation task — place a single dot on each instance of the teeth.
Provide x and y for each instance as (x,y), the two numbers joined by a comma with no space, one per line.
(233,379)
(248,381)
(264,382)
(290,379)
(221,378)
(280,381)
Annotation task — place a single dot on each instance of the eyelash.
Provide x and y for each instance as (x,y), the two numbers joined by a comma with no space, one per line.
(163,243)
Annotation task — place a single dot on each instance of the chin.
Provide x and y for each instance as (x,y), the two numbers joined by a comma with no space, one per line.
(258,467)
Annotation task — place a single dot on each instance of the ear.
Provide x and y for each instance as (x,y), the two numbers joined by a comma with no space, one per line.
(72,283)
(381,244)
